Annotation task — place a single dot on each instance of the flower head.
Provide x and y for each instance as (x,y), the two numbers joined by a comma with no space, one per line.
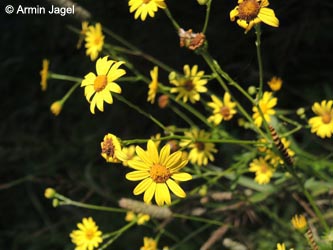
(44,74)
(280,246)
(49,193)
(110,146)
(262,170)
(143,8)
(299,222)
(149,244)
(126,154)
(163,101)
(82,34)
(251,12)
(266,104)
(200,151)
(87,237)
(158,172)
(221,110)
(322,124)
(153,86)
(140,218)
(189,86)
(94,41)
(56,107)
(97,89)
(275,83)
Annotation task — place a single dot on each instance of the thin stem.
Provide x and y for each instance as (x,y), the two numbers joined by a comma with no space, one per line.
(70,91)
(182,115)
(135,107)
(207,16)
(175,24)
(67,201)
(64,77)
(258,44)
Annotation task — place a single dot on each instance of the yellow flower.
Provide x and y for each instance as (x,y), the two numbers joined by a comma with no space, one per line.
(158,172)
(262,170)
(97,89)
(251,12)
(140,218)
(280,246)
(94,41)
(144,7)
(82,34)
(49,193)
(200,152)
(149,244)
(87,237)
(110,146)
(56,107)
(222,110)
(189,86)
(266,104)
(44,74)
(153,86)
(275,83)
(322,124)
(299,222)
(126,154)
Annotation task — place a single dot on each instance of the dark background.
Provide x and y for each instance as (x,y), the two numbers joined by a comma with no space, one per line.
(38,150)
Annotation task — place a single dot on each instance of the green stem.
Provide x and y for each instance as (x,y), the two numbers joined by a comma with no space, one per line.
(119,233)
(70,91)
(175,24)
(258,44)
(139,110)
(64,77)
(66,201)
(182,115)
(207,16)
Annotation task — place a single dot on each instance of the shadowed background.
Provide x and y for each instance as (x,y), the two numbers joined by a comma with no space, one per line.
(38,150)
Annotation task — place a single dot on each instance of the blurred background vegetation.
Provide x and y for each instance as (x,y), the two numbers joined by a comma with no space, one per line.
(38,150)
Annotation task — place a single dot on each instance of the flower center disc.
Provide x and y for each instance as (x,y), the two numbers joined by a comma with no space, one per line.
(326,118)
(200,146)
(248,10)
(225,112)
(159,173)
(108,148)
(100,83)
(146,1)
(89,234)
(189,85)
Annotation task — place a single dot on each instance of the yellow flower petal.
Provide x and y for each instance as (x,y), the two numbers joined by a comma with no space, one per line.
(142,186)
(176,189)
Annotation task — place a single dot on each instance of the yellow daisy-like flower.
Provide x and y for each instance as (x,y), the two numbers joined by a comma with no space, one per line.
(126,154)
(322,124)
(262,170)
(275,159)
(275,83)
(266,104)
(56,107)
(158,172)
(82,34)
(44,74)
(97,89)
(110,146)
(149,244)
(200,151)
(153,86)
(94,41)
(280,246)
(87,237)
(299,222)
(251,12)
(221,110)
(143,8)
(189,86)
